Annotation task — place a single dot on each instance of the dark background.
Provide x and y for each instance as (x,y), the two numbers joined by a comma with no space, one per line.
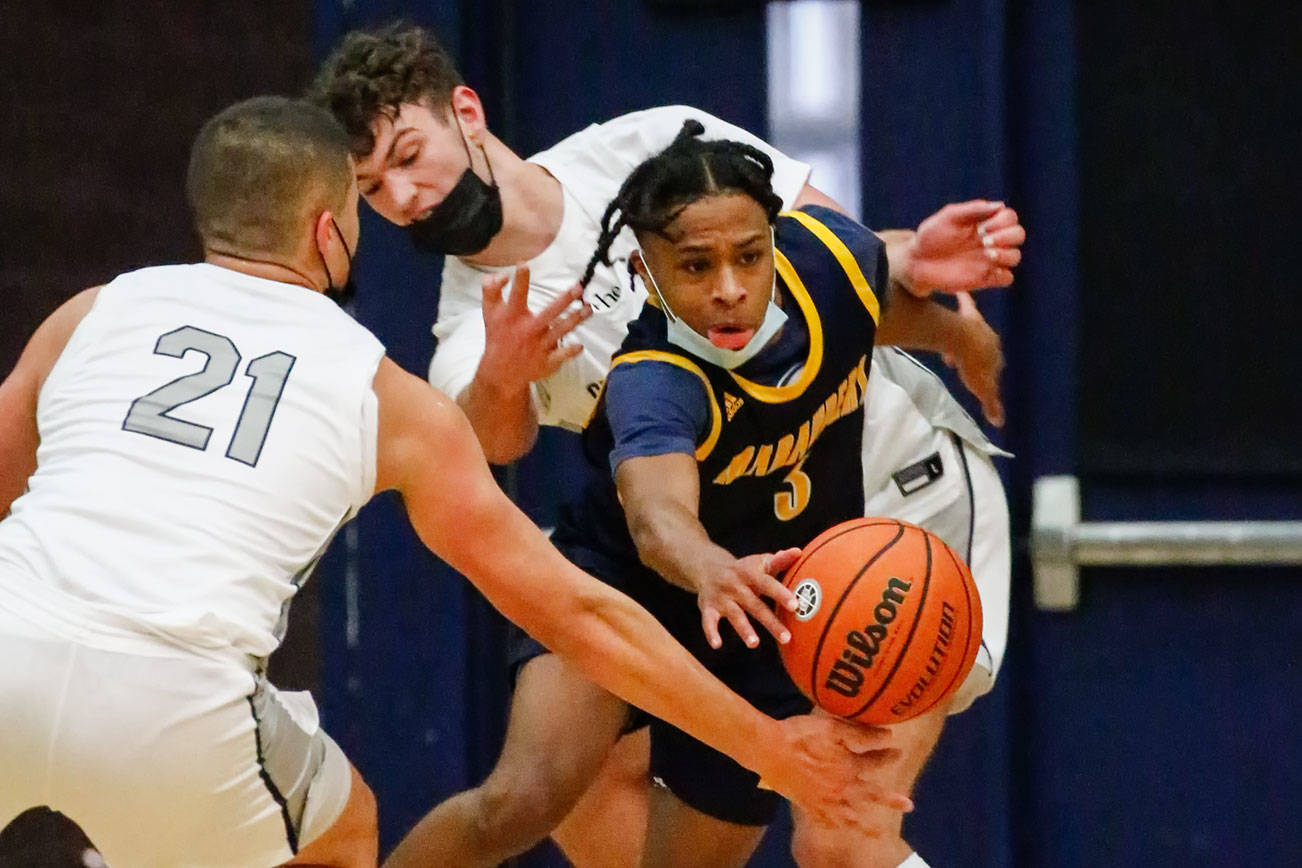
(1150,150)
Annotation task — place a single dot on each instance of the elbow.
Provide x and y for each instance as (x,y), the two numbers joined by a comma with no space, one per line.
(505,451)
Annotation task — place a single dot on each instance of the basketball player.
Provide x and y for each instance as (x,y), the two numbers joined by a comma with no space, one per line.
(178,446)
(428,161)
(732,423)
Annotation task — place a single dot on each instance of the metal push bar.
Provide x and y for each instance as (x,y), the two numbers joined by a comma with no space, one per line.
(1061,543)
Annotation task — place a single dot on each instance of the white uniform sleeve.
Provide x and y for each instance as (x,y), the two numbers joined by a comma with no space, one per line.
(646,133)
(456,358)
(458,330)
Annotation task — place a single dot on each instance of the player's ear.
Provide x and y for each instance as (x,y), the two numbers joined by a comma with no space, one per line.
(469,112)
(322,231)
(638,264)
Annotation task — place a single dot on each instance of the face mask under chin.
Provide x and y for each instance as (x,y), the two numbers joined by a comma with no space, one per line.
(682,335)
(464,223)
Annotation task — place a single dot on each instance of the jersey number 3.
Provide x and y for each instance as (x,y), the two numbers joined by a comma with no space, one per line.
(789,504)
(149,414)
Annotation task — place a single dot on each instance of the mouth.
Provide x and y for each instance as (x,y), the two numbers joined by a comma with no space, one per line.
(729,337)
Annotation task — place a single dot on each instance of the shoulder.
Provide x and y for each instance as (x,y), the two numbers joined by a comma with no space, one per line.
(50,338)
(659,366)
(812,222)
(665,119)
(814,232)
(634,136)
(827,245)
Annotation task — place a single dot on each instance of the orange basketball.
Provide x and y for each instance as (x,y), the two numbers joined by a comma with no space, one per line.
(889,621)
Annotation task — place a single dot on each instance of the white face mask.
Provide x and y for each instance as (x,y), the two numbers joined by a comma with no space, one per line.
(680,334)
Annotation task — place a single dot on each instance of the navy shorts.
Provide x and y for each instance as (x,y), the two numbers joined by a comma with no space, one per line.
(700,776)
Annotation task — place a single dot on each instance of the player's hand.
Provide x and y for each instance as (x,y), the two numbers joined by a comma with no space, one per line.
(963,247)
(978,359)
(832,768)
(521,346)
(733,591)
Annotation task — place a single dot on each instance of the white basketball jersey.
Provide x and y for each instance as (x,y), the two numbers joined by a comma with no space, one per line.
(202,436)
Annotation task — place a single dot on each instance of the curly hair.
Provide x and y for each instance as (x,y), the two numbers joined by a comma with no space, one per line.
(689,169)
(372,73)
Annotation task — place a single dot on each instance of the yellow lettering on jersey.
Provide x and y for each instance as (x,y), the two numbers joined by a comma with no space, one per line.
(802,440)
(736,467)
(782,456)
(845,399)
(790,450)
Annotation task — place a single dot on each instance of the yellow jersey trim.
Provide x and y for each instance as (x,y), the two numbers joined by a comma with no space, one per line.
(778,394)
(843,255)
(716,422)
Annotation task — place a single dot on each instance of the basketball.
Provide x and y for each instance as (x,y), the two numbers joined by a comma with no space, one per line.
(889,622)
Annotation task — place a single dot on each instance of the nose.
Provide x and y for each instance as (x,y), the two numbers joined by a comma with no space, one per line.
(403,194)
(729,291)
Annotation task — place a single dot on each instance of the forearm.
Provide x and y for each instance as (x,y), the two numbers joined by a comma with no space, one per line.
(899,255)
(503,418)
(919,324)
(671,541)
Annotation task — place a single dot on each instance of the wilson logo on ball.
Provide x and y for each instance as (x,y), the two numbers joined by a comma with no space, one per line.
(895,625)
(846,675)
(810,595)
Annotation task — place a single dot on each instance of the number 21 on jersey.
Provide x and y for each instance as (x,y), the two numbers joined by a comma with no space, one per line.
(150,413)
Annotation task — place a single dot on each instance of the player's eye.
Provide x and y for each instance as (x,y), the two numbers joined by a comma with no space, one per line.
(750,257)
(696,267)
(410,157)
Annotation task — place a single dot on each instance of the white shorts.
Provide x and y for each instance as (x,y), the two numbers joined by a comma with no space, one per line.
(953,490)
(164,758)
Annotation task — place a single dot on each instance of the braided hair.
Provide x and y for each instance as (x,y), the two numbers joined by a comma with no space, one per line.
(689,169)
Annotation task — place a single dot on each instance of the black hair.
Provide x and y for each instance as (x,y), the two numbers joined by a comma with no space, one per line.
(372,73)
(260,168)
(689,169)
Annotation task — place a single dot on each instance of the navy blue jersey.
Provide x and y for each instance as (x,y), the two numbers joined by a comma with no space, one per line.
(778,463)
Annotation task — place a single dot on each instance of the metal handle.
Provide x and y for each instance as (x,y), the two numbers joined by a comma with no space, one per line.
(1061,542)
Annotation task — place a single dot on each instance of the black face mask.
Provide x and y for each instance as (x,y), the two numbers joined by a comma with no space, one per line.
(340,295)
(468,217)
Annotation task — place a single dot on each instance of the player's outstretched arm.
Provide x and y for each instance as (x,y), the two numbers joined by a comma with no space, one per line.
(963,247)
(19,391)
(661,496)
(428,453)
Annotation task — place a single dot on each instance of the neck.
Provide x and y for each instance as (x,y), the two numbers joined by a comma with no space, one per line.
(532,209)
(256,266)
